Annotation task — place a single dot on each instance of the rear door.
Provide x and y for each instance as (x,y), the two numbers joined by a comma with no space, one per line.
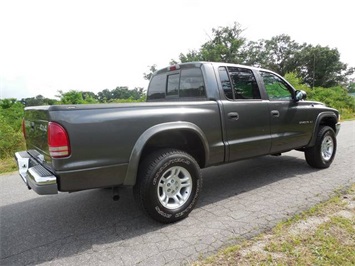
(246,116)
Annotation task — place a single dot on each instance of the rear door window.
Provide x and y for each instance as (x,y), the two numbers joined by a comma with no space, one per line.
(226,84)
(239,83)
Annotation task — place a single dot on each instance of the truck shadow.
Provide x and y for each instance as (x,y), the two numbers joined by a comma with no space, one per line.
(54,227)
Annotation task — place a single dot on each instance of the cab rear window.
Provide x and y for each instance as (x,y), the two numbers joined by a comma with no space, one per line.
(184,84)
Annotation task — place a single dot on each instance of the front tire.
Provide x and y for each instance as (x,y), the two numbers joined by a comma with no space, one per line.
(321,155)
(168,185)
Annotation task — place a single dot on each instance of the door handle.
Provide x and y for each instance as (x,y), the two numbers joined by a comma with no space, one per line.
(275,113)
(233,115)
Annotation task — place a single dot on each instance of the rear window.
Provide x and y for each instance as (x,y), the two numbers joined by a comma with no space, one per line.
(184,84)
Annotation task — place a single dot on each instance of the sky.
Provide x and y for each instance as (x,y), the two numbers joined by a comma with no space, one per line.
(46,45)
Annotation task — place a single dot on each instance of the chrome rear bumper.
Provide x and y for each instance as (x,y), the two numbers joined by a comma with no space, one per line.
(35,176)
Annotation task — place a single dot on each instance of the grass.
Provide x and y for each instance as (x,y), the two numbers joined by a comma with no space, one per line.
(7,165)
(323,235)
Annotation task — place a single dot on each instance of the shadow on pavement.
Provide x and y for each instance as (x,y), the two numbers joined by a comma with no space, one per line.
(49,227)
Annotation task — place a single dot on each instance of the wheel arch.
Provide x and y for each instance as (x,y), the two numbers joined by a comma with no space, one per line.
(184,136)
(323,119)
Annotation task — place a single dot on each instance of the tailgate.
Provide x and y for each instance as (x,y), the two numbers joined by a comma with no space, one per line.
(36,127)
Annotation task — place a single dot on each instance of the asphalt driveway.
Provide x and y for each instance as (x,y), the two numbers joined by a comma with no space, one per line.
(238,200)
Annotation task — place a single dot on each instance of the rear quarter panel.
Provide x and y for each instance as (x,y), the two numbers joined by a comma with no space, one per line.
(102,138)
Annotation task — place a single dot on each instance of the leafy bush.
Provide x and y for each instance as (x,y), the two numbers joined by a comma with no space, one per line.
(12,112)
(335,97)
(10,140)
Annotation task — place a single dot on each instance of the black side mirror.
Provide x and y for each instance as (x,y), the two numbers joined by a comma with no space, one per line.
(300,95)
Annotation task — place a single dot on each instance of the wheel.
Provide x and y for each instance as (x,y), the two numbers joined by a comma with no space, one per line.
(168,185)
(321,155)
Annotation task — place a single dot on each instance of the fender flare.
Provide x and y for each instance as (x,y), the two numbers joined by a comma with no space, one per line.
(133,164)
(320,117)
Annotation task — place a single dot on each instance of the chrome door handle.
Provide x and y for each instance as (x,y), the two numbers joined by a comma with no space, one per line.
(275,113)
(233,115)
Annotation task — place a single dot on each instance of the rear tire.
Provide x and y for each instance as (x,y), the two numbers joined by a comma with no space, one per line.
(321,155)
(168,185)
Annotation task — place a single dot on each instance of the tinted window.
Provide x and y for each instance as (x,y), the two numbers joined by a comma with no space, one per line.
(226,84)
(191,83)
(173,85)
(157,87)
(187,83)
(243,83)
(275,87)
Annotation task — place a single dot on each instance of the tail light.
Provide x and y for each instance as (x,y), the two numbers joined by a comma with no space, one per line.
(58,141)
(24,128)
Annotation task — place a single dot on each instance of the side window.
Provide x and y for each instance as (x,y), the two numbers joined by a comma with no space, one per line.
(157,87)
(275,87)
(226,84)
(172,88)
(191,83)
(241,84)
(244,83)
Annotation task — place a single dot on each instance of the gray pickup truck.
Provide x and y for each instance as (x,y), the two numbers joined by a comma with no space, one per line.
(197,115)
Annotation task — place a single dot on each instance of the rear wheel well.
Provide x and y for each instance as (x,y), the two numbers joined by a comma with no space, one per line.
(184,140)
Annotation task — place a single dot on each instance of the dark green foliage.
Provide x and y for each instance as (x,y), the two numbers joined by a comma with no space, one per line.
(336,97)
(11,139)
(317,66)
(277,54)
(321,66)
(351,86)
(76,97)
(38,100)
(119,94)
(224,46)
(12,112)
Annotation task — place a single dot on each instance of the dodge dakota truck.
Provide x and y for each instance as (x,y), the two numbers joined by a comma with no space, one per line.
(197,115)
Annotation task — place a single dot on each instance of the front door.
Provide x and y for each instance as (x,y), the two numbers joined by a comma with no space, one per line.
(290,122)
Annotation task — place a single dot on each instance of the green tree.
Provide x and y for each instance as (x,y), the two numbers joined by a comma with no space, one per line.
(121,93)
(315,65)
(224,46)
(11,140)
(335,97)
(351,85)
(38,100)
(75,97)
(321,67)
(279,54)
(90,97)
(12,112)
(105,96)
